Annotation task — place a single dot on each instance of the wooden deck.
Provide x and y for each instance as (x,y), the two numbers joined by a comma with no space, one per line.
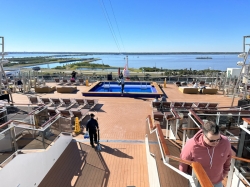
(122,161)
(79,165)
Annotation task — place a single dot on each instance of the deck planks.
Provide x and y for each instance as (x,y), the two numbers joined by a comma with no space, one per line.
(77,167)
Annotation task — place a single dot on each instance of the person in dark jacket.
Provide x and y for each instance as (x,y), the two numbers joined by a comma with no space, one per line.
(163,98)
(73,75)
(20,85)
(91,127)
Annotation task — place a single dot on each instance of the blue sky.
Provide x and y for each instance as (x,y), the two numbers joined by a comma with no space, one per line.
(144,25)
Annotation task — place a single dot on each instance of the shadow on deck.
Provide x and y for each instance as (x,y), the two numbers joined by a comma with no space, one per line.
(79,165)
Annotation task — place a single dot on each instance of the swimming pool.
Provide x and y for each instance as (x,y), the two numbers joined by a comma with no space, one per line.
(131,89)
(138,87)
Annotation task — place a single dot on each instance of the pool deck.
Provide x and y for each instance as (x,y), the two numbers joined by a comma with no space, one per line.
(122,132)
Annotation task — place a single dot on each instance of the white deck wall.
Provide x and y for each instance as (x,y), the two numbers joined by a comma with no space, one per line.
(233,72)
(28,170)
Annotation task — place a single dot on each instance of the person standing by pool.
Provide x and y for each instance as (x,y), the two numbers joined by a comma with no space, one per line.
(121,76)
(122,84)
(73,75)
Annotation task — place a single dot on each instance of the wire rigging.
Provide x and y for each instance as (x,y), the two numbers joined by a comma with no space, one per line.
(110,25)
(117,26)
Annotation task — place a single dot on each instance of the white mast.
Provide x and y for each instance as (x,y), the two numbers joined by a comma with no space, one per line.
(2,73)
(244,74)
(126,71)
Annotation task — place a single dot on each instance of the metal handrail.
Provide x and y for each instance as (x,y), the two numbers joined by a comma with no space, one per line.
(241,159)
(6,123)
(33,111)
(51,119)
(197,167)
(196,116)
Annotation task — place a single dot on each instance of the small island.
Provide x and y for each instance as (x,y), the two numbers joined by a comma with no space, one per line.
(204,57)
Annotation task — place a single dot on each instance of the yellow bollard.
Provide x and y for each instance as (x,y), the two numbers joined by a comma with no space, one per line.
(87,82)
(165,83)
(77,126)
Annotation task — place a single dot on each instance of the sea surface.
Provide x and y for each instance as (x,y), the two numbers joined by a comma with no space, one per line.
(177,61)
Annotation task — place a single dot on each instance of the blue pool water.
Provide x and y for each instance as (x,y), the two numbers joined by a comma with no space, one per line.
(137,87)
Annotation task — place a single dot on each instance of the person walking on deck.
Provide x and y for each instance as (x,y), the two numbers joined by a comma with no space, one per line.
(91,127)
(212,150)
(20,85)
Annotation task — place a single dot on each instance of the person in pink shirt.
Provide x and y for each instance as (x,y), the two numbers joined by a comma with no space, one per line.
(212,150)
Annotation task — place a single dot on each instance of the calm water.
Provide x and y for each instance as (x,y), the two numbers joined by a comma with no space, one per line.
(114,87)
(218,61)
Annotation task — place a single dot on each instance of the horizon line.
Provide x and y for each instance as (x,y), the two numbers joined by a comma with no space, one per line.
(123,52)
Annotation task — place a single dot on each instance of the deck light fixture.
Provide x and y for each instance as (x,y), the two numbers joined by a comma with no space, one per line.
(242,55)
(240,63)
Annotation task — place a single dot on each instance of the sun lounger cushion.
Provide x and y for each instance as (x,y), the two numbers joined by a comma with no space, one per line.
(45,89)
(209,90)
(188,90)
(66,89)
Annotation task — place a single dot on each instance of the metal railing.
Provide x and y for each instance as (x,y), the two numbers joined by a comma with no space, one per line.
(199,173)
(20,135)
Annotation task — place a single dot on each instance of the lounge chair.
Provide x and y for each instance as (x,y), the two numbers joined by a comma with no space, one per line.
(178,83)
(66,104)
(187,105)
(56,102)
(90,103)
(66,113)
(46,101)
(212,105)
(75,82)
(34,100)
(81,81)
(156,105)
(81,103)
(65,82)
(178,105)
(58,82)
(80,114)
(166,106)
(201,105)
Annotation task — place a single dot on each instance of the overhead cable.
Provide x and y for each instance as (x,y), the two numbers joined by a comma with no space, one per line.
(117,25)
(110,24)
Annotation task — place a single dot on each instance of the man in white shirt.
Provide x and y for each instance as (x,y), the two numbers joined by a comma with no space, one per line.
(195,85)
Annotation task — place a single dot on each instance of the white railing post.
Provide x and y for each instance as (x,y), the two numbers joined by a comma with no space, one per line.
(218,118)
(29,110)
(13,135)
(238,121)
(167,159)
(231,173)
(195,178)
(167,130)
(176,127)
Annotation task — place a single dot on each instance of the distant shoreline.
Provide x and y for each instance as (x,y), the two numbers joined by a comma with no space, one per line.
(128,53)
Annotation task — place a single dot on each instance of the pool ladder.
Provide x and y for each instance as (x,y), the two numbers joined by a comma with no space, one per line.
(107,87)
(145,87)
